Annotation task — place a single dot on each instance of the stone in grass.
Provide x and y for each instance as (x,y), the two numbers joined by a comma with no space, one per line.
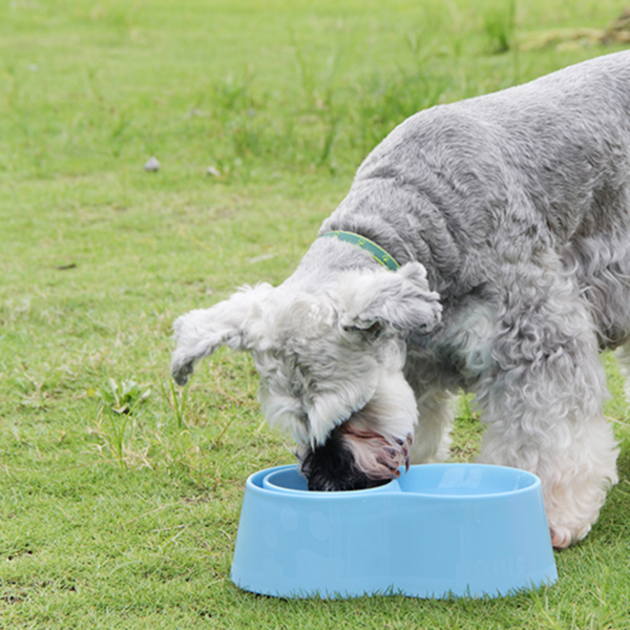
(213,172)
(152,165)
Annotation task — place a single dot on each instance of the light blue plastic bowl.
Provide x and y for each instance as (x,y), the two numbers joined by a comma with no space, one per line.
(439,530)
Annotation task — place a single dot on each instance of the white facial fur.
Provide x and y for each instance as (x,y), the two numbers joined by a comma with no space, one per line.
(325,358)
(317,373)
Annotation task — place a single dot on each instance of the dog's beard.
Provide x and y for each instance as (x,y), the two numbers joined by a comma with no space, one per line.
(371,446)
(332,467)
(353,458)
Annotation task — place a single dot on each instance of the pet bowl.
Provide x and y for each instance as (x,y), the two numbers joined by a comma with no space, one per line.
(439,530)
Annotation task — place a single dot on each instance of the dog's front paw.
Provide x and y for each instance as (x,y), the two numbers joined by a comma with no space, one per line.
(392,458)
(181,371)
(380,457)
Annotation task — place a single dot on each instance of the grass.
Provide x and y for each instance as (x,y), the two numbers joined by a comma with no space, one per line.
(121,494)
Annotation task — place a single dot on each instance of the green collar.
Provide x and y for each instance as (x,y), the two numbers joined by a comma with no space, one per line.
(377,252)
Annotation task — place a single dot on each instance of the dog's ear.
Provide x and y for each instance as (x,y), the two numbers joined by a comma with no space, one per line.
(200,332)
(400,300)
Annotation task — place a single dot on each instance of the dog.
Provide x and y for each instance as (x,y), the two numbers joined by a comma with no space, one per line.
(483,246)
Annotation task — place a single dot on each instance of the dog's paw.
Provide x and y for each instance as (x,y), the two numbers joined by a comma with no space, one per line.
(560,537)
(563,537)
(392,458)
(379,457)
(181,371)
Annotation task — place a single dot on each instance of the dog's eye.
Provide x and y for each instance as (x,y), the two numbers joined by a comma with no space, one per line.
(371,332)
(374,330)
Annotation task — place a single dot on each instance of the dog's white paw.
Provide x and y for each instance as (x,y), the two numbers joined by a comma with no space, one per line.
(563,537)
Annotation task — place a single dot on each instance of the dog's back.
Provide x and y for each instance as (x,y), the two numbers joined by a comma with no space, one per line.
(510,178)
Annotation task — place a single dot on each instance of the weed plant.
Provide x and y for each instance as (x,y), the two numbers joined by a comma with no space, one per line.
(121,493)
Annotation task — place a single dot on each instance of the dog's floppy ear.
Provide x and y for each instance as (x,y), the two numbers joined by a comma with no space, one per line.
(200,332)
(400,300)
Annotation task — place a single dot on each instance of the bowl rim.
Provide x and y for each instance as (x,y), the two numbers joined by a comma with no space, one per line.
(281,490)
(380,491)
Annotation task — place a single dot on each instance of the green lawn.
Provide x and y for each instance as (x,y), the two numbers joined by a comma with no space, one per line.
(128,520)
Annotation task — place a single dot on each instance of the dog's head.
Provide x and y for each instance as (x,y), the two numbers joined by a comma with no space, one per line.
(331,365)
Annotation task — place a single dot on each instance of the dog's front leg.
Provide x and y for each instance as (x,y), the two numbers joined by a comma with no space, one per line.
(432,439)
(542,402)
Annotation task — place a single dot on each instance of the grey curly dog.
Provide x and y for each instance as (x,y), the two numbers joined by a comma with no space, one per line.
(485,246)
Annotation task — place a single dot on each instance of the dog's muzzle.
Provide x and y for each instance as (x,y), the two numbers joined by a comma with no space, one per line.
(354,459)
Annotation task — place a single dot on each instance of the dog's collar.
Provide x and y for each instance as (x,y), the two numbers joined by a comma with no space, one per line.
(377,252)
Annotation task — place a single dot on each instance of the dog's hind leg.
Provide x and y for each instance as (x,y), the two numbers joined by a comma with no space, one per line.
(542,401)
